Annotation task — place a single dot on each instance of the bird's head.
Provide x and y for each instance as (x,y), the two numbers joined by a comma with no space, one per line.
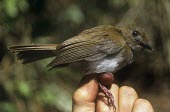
(135,37)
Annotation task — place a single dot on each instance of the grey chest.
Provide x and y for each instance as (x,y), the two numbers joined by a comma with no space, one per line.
(111,63)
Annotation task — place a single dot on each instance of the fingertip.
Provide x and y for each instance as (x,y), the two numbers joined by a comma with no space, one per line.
(87,90)
(114,88)
(142,105)
(84,97)
(127,97)
(128,91)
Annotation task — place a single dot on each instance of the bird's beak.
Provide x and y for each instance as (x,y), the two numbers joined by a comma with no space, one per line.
(146,45)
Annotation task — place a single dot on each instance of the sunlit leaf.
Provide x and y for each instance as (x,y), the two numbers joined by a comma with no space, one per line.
(73,14)
(10,7)
(24,88)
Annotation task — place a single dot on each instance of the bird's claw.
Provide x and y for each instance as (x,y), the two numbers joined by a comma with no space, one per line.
(108,95)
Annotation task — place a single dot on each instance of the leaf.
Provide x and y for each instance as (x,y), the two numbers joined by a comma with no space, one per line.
(11,8)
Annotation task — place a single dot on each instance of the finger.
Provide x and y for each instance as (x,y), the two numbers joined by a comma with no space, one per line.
(127,97)
(142,105)
(84,97)
(102,103)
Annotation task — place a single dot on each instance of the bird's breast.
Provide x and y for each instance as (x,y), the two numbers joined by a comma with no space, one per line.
(111,63)
(108,65)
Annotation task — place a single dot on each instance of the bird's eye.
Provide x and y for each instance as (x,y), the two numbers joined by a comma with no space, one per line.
(135,33)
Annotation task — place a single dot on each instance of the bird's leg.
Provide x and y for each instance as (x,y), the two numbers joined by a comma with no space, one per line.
(108,95)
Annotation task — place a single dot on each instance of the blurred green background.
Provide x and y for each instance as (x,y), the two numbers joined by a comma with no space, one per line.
(31,88)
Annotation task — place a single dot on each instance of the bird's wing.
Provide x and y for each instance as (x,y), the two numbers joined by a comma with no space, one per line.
(91,48)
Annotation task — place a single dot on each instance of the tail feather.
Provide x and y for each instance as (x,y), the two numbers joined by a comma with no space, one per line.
(31,53)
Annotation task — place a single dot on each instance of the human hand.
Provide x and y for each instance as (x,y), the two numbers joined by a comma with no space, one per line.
(87,98)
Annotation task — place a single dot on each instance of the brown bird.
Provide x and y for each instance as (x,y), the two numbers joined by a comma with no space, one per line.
(102,49)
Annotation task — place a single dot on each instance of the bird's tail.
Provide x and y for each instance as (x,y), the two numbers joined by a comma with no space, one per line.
(33,52)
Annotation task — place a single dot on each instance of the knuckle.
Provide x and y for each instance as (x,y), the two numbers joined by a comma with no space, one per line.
(79,96)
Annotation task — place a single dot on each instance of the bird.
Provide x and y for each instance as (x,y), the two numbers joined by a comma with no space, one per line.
(101,49)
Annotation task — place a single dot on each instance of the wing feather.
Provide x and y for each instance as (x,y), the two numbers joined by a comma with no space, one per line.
(90,48)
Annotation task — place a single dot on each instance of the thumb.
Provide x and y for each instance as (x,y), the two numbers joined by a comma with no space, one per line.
(84,97)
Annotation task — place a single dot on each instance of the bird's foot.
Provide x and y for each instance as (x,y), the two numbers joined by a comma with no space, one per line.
(109,96)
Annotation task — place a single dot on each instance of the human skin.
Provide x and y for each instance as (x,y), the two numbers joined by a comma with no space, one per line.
(88,98)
